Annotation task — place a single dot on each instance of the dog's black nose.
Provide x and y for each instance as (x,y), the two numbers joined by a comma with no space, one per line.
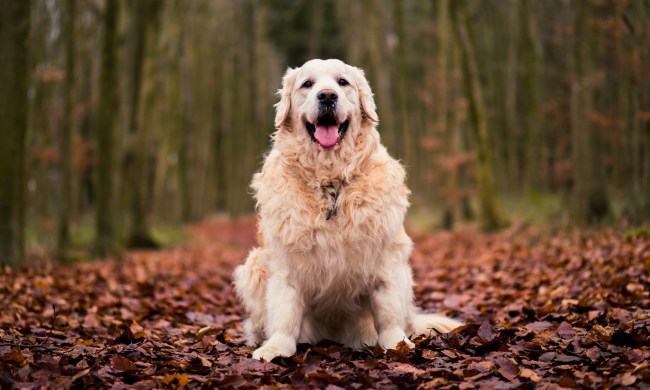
(327,97)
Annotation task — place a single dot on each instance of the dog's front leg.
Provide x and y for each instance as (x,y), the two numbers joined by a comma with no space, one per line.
(390,303)
(285,311)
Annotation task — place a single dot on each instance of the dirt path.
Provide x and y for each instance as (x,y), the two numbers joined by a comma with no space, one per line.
(543,312)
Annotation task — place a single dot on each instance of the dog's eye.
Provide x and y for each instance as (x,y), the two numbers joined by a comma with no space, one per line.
(343,82)
(307,84)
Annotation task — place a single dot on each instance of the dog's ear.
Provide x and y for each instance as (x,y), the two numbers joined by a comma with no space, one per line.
(283,107)
(368,107)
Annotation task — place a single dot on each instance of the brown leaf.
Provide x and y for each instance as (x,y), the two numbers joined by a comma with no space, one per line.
(628,379)
(568,380)
(538,326)
(80,374)
(547,356)
(567,358)
(402,347)
(529,374)
(434,384)
(175,381)
(122,364)
(406,368)
(565,330)
(15,356)
(204,332)
(485,331)
(254,365)
(507,368)
(205,362)
(449,353)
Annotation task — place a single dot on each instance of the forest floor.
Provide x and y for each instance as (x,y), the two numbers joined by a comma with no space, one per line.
(544,310)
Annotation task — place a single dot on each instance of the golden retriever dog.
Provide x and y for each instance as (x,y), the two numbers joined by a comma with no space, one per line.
(333,256)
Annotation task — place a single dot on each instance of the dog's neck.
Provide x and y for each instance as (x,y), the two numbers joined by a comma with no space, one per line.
(317,167)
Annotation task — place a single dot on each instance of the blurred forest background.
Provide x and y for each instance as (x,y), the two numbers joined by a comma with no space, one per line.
(122,117)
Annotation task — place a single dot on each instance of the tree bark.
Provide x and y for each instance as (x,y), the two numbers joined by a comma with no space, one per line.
(14,74)
(492,216)
(451,197)
(511,120)
(535,165)
(590,201)
(145,14)
(105,240)
(402,78)
(378,72)
(65,201)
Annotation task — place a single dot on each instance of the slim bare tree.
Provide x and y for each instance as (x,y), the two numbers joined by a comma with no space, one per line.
(105,240)
(492,216)
(143,19)
(14,56)
(65,206)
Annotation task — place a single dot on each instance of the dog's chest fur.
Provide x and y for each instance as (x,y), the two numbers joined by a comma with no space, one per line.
(337,258)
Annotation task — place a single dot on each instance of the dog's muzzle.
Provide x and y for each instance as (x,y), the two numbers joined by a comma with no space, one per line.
(327,132)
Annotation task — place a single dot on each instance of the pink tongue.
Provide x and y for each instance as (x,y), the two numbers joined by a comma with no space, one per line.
(327,136)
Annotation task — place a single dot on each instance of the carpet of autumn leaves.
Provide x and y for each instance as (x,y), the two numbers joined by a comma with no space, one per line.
(569,309)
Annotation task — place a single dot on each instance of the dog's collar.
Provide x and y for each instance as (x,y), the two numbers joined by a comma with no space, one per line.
(333,192)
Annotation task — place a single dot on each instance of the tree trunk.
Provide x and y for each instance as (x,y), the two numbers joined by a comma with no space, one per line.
(378,72)
(65,201)
(590,201)
(14,60)
(535,165)
(145,13)
(511,120)
(451,197)
(105,240)
(638,201)
(401,76)
(492,216)
(185,128)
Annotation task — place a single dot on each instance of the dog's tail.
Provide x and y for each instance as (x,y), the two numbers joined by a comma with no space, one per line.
(427,323)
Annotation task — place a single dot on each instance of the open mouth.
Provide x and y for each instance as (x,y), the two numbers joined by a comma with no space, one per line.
(327,132)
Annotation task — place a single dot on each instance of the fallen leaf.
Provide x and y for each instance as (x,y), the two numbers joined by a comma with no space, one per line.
(529,374)
(122,364)
(406,368)
(565,330)
(507,368)
(538,326)
(205,362)
(204,332)
(402,347)
(175,381)
(628,379)
(485,331)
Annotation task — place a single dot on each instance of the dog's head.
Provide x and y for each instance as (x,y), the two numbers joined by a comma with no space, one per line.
(324,101)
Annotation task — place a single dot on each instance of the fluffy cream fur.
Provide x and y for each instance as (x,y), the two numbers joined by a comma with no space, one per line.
(347,278)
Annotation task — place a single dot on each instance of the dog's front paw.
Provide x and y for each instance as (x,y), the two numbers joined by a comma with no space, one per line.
(274,347)
(389,339)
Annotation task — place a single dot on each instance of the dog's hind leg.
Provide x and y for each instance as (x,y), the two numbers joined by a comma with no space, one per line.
(250,281)
(391,303)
